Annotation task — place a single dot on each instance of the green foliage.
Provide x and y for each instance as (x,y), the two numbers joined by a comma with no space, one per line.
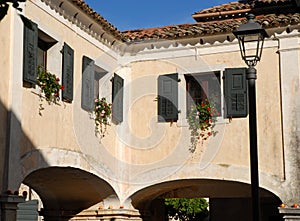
(202,120)
(49,87)
(185,209)
(102,112)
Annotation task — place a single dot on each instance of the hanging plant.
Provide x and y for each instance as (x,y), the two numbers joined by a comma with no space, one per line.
(102,114)
(49,87)
(202,119)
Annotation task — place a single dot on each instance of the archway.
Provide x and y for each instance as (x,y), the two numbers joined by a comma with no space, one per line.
(229,200)
(65,191)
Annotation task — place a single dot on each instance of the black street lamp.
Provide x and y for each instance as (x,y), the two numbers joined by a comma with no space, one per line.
(249,35)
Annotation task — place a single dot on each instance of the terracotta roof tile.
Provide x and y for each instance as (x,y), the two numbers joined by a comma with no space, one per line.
(220,19)
(243,4)
(224,19)
(225,7)
(240,8)
(208,28)
(98,18)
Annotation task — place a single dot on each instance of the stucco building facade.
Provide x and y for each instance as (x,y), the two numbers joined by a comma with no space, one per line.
(146,153)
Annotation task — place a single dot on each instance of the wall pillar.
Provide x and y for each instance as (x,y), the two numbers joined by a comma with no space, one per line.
(290,214)
(8,204)
(290,89)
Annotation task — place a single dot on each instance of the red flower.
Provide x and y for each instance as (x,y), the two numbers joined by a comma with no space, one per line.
(208,133)
(208,108)
(57,79)
(62,87)
(202,104)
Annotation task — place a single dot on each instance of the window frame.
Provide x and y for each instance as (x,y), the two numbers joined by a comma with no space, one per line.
(100,75)
(43,50)
(45,42)
(198,79)
(182,92)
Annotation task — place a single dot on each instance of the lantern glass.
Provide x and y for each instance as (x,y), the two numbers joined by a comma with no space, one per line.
(251,39)
(251,47)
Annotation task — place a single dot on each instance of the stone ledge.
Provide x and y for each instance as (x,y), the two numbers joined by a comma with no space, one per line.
(11,199)
(295,211)
(290,214)
(108,214)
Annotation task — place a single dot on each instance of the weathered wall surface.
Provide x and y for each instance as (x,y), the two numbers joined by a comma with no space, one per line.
(141,152)
(225,156)
(289,69)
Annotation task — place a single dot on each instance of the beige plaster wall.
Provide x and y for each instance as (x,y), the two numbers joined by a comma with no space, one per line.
(235,147)
(58,126)
(140,151)
(5,27)
(231,145)
(148,152)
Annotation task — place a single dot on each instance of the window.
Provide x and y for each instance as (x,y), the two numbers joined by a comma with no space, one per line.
(96,84)
(235,92)
(117,98)
(35,46)
(203,86)
(67,73)
(30,52)
(44,43)
(91,75)
(87,80)
(99,73)
(168,98)
(42,58)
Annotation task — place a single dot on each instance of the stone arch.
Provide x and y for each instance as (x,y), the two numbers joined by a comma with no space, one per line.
(40,158)
(66,181)
(220,192)
(196,188)
(66,191)
(192,172)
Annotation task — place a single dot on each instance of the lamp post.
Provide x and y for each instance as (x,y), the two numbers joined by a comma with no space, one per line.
(251,34)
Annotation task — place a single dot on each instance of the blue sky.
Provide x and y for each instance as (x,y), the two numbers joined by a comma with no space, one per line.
(136,14)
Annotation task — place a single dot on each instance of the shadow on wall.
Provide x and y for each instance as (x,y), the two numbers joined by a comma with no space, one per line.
(63,190)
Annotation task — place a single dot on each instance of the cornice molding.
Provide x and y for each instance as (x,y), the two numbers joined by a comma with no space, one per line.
(99,34)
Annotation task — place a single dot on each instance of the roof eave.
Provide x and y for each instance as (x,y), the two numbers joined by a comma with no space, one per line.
(223,14)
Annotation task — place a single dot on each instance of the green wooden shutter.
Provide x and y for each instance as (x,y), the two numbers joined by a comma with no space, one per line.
(235,91)
(87,91)
(168,97)
(67,73)
(117,98)
(30,51)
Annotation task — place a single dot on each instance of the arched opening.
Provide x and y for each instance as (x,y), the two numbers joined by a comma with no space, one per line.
(66,191)
(228,200)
